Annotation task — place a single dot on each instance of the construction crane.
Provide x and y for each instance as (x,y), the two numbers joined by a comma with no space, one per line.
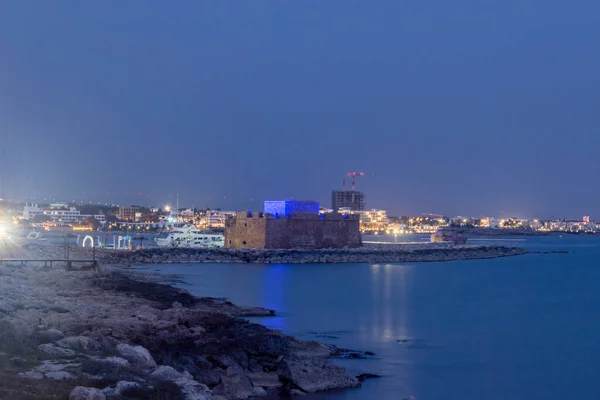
(353,175)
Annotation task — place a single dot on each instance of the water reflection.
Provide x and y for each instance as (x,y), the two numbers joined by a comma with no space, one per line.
(388,317)
(273,292)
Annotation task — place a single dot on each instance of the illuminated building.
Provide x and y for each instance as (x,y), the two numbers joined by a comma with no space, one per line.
(373,220)
(351,199)
(288,207)
(216,219)
(127,213)
(62,215)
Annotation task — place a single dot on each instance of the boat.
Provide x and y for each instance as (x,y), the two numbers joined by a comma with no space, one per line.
(189,236)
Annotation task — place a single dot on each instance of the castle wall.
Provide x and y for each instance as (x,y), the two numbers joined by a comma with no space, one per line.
(300,230)
(246,231)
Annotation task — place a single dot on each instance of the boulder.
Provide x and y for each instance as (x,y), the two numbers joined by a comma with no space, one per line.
(116,361)
(86,393)
(52,350)
(269,343)
(166,373)
(137,355)
(81,344)
(190,389)
(50,335)
(32,375)
(49,366)
(267,380)
(120,388)
(59,375)
(313,374)
(234,387)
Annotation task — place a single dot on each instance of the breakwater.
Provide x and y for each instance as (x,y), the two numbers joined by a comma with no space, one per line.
(400,253)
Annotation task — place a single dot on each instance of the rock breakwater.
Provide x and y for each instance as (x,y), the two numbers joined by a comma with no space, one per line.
(415,253)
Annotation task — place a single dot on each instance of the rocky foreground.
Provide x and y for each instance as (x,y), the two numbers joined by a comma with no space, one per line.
(301,256)
(108,335)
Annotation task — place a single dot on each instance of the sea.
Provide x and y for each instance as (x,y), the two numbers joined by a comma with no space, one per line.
(525,327)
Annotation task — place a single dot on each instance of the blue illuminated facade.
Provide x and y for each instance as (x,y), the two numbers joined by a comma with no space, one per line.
(287,207)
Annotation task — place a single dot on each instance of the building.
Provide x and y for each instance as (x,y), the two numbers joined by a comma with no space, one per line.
(216,219)
(59,215)
(373,220)
(351,199)
(127,213)
(292,229)
(288,207)
(31,211)
(67,216)
(63,215)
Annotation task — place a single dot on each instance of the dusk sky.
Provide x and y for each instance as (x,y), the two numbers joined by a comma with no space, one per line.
(464,107)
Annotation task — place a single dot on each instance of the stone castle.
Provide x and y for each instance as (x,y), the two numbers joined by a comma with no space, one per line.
(292,229)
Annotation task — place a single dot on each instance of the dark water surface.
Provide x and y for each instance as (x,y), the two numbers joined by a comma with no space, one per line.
(524,327)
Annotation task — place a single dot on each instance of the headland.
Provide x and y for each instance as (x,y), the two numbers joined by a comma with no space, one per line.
(109,334)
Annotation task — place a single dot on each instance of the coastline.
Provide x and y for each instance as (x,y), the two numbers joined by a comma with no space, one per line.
(115,333)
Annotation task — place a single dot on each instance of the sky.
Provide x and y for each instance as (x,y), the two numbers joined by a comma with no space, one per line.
(465,107)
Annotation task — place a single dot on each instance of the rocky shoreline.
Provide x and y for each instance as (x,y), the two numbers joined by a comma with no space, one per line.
(109,335)
(384,254)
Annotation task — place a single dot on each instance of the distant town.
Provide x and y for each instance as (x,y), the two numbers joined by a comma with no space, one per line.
(108,217)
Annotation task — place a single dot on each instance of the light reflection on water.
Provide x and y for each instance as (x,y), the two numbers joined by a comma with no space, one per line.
(520,328)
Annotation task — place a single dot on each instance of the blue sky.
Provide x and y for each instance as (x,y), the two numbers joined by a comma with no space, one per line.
(463,108)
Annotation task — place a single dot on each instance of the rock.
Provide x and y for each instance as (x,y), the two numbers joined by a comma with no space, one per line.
(210,378)
(190,389)
(267,380)
(369,353)
(81,344)
(51,350)
(137,355)
(32,375)
(201,362)
(296,392)
(49,366)
(363,377)
(259,392)
(116,361)
(270,343)
(234,387)
(59,375)
(166,373)
(86,393)
(312,374)
(50,335)
(120,388)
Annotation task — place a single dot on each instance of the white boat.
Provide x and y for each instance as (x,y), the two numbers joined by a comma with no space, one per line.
(191,237)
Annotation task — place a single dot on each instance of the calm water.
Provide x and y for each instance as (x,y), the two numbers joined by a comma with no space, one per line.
(523,327)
